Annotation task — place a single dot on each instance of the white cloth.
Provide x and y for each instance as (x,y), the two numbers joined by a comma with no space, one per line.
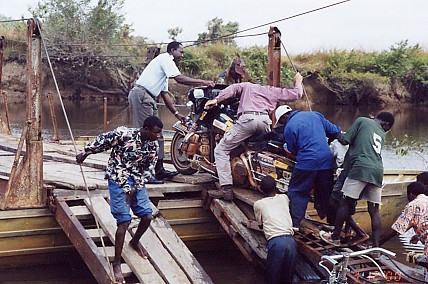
(274,214)
(155,76)
(339,151)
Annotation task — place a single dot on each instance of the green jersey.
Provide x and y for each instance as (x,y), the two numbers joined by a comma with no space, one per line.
(363,160)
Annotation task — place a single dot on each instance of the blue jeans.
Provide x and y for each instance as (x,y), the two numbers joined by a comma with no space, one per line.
(140,203)
(281,259)
(299,190)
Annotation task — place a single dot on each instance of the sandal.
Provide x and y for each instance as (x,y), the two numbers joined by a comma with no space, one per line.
(326,237)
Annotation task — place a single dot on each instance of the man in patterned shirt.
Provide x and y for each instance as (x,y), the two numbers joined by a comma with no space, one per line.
(414,215)
(133,156)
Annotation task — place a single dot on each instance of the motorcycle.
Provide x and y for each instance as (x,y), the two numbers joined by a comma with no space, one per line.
(192,146)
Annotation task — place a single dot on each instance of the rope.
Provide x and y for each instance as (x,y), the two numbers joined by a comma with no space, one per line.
(75,148)
(294,16)
(295,70)
(232,35)
(283,19)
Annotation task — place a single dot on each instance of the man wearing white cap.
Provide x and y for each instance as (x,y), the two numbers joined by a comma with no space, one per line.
(305,135)
(256,103)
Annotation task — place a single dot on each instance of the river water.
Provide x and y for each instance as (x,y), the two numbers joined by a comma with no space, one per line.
(86,119)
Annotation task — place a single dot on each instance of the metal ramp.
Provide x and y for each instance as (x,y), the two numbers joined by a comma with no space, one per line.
(311,248)
(169,259)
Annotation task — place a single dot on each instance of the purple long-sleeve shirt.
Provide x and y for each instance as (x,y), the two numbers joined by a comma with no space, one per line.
(255,97)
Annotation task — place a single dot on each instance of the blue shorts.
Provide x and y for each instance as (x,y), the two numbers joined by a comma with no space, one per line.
(140,204)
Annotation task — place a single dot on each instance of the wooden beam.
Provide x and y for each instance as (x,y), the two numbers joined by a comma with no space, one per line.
(86,247)
(142,268)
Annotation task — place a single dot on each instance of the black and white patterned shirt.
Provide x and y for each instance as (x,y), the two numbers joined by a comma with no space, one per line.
(130,157)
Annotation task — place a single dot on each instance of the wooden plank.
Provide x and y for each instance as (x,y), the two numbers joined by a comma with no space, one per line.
(86,247)
(178,249)
(247,195)
(305,272)
(161,259)
(109,251)
(179,203)
(236,238)
(34,251)
(142,268)
(126,270)
(96,234)
(256,240)
(81,212)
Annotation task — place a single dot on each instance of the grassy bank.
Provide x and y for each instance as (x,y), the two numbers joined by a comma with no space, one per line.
(394,76)
(397,75)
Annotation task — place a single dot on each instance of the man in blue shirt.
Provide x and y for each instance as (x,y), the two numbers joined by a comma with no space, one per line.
(306,134)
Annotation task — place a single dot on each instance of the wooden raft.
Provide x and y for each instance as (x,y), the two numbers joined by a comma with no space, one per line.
(169,259)
(311,248)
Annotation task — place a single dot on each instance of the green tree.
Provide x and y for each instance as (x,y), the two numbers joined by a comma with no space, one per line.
(88,36)
(174,32)
(217,31)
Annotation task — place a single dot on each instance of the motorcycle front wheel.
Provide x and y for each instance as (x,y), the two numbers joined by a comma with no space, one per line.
(179,159)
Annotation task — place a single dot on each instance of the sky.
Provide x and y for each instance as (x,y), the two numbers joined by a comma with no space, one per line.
(370,25)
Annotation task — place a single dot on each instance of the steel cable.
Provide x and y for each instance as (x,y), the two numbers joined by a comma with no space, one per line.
(75,148)
(295,70)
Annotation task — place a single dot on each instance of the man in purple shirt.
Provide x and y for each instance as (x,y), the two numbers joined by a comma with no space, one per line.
(255,105)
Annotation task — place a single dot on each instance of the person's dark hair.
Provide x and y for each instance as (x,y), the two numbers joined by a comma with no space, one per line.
(386,117)
(172,45)
(416,188)
(268,185)
(152,121)
(423,178)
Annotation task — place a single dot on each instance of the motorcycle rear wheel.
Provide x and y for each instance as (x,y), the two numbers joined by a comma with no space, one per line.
(180,161)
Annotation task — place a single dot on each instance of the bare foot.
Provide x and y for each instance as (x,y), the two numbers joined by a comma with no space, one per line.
(139,249)
(118,276)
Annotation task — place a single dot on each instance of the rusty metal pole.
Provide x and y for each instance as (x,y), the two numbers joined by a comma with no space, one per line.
(274,57)
(1,58)
(2,46)
(25,189)
(6,107)
(105,114)
(55,136)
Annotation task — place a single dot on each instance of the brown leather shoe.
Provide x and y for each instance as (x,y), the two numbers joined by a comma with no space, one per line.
(225,193)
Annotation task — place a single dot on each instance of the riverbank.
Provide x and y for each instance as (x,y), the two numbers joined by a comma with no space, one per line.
(394,77)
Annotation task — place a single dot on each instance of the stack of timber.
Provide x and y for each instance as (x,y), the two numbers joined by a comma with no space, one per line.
(169,259)
(311,248)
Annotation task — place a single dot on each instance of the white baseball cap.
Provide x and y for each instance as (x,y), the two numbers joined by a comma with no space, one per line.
(280,111)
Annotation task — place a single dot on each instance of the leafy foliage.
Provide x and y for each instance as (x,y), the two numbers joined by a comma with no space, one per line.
(174,32)
(87,38)
(217,31)
(358,77)
(14,34)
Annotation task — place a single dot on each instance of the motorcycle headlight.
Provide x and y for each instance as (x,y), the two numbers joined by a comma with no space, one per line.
(189,105)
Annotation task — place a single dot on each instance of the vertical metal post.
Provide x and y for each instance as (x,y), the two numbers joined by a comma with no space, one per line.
(274,57)
(105,114)
(2,46)
(6,107)
(25,189)
(55,136)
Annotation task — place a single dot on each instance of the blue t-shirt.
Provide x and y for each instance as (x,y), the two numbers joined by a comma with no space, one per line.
(305,134)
